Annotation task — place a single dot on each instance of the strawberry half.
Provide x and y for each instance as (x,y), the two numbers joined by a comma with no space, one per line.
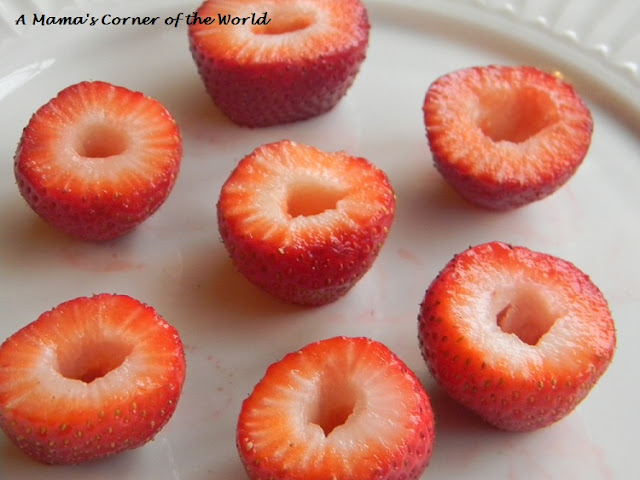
(97,160)
(517,336)
(503,137)
(89,379)
(303,224)
(278,61)
(342,408)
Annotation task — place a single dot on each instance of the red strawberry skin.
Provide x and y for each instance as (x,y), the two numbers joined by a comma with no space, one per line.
(519,337)
(97,160)
(344,408)
(90,378)
(284,239)
(298,66)
(504,137)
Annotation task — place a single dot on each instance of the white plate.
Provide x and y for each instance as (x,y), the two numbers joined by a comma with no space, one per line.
(231,330)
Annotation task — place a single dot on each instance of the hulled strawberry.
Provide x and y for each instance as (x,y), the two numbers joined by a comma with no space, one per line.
(90,378)
(517,336)
(277,61)
(98,159)
(503,137)
(344,408)
(303,224)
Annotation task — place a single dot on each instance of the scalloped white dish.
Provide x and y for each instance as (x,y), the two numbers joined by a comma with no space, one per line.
(232,331)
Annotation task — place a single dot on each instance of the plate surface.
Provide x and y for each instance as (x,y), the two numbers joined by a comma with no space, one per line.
(232,331)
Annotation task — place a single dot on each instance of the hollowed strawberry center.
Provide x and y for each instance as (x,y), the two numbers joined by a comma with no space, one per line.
(515,115)
(284,22)
(527,315)
(101,141)
(334,403)
(92,359)
(311,197)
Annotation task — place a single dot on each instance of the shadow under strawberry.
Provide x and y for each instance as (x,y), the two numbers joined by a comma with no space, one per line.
(452,418)
(212,284)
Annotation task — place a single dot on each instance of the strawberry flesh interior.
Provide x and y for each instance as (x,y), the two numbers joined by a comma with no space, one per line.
(285,21)
(91,359)
(311,197)
(333,402)
(526,314)
(515,114)
(101,141)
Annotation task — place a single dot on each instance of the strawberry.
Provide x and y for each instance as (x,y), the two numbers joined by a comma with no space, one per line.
(503,137)
(519,337)
(303,224)
(90,378)
(341,408)
(290,61)
(97,160)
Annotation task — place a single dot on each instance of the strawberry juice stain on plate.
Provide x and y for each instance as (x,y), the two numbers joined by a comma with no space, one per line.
(98,258)
(564,450)
(409,256)
(213,381)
